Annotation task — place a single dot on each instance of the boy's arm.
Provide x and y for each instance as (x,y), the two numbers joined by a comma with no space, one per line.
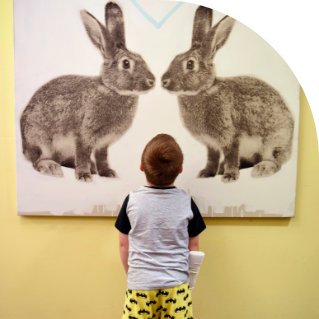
(124,246)
(124,227)
(193,244)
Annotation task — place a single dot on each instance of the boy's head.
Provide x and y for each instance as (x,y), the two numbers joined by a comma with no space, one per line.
(162,160)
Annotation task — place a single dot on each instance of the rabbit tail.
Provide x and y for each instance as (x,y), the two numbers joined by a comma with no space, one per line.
(276,152)
(39,156)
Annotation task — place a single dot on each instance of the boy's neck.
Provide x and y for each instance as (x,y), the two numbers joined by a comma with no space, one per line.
(152,185)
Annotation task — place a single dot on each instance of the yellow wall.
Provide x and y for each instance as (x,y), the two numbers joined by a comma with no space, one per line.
(67,268)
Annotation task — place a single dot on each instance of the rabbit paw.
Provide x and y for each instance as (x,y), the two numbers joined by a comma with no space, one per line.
(229,177)
(221,169)
(50,168)
(264,169)
(204,173)
(93,169)
(84,177)
(108,172)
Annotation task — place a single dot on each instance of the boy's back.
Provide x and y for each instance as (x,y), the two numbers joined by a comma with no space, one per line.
(159,222)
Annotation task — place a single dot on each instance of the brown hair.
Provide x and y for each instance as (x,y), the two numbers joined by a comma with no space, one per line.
(162,160)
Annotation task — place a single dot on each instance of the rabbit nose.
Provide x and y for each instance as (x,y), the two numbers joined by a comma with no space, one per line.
(166,82)
(150,82)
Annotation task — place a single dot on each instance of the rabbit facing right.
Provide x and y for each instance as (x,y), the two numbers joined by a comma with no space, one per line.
(242,120)
(72,120)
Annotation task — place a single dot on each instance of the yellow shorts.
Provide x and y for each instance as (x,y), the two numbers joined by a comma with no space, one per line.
(171,303)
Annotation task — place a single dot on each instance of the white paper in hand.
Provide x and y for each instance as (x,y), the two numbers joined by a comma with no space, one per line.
(195,260)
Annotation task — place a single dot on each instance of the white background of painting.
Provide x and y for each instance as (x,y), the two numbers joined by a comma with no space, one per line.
(60,46)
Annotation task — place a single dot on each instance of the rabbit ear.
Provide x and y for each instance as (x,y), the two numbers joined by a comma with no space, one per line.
(114,23)
(202,24)
(96,32)
(219,34)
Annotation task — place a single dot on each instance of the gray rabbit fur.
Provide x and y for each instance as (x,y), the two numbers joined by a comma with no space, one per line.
(242,120)
(72,120)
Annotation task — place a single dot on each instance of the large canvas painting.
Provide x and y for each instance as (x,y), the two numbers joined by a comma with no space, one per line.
(96,80)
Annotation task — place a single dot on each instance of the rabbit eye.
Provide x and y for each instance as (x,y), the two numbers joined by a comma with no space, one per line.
(126,64)
(190,65)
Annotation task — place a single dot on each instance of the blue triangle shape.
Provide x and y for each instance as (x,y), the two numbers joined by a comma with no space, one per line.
(156,24)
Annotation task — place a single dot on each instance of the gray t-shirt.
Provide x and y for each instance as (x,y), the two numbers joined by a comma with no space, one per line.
(159,222)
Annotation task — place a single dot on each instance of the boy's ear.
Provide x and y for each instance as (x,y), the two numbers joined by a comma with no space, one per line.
(141,167)
(180,170)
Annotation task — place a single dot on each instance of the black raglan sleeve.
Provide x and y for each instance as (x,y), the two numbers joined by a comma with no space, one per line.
(196,225)
(123,223)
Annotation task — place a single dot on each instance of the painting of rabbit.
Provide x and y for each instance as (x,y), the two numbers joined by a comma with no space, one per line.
(72,120)
(241,120)
(95,81)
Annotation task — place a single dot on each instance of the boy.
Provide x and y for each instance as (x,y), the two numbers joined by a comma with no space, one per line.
(159,224)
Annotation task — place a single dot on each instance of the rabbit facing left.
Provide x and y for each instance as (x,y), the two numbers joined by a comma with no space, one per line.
(72,120)
(242,120)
